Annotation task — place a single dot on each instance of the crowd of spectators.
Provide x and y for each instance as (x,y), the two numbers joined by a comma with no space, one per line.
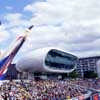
(40,90)
(88,83)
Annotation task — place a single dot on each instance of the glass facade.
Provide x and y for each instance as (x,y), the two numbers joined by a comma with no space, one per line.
(60,60)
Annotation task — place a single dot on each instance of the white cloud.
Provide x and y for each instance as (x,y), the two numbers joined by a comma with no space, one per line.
(3,33)
(15,20)
(67,11)
(70,24)
(9,8)
(13,16)
(77,25)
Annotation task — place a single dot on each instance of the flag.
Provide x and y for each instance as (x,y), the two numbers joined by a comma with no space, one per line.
(95,97)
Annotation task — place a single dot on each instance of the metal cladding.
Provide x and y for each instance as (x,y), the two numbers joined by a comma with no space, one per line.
(35,61)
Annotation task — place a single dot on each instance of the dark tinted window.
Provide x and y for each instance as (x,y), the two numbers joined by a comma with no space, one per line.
(60,60)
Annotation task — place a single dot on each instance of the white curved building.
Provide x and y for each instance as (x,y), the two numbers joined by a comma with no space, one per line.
(47,60)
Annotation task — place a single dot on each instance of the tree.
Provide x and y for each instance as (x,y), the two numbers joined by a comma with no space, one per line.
(73,74)
(90,74)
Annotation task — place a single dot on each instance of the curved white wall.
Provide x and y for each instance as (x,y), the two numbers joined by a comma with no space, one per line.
(34,62)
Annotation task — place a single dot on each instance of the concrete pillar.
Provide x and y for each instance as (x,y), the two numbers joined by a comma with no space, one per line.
(98,68)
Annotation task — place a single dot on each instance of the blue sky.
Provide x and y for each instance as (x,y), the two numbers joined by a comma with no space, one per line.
(14,6)
(73,25)
(17,5)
